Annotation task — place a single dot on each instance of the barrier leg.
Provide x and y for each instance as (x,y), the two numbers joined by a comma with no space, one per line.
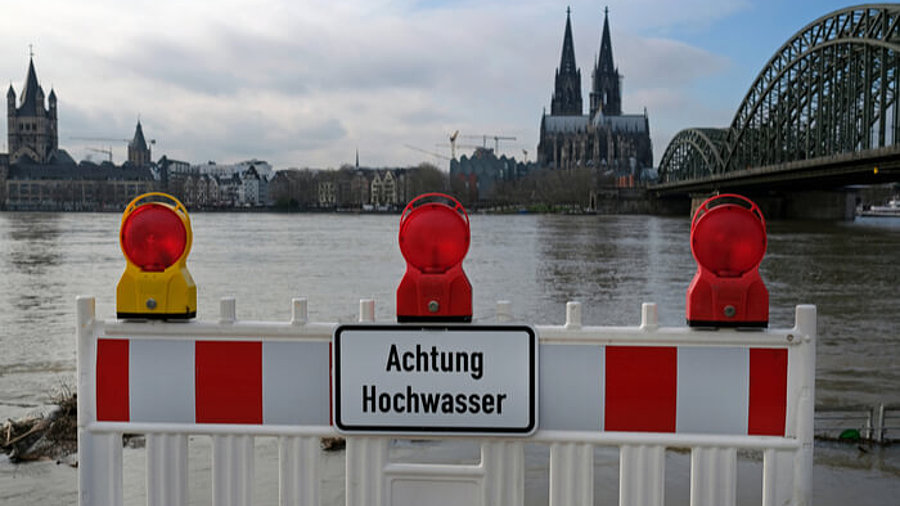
(298,471)
(778,477)
(99,469)
(642,473)
(504,473)
(366,459)
(571,474)
(167,469)
(232,472)
(713,476)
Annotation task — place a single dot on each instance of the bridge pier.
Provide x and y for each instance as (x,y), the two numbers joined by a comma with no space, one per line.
(829,205)
(821,205)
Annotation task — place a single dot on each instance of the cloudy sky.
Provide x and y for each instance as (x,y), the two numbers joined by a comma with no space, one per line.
(304,83)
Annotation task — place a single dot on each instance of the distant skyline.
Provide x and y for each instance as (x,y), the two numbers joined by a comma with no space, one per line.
(306,84)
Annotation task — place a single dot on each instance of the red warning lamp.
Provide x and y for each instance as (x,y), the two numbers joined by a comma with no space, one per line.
(153,237)
(728,240)
(156,238)
(434,239)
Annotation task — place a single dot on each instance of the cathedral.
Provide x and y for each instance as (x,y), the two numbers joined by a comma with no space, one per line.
(604,138)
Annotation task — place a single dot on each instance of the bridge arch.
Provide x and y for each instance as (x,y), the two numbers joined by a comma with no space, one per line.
(693,153)
(831,89)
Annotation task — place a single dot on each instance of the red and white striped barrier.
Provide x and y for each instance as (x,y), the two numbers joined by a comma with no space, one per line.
(643,389)
(214,381)
(683,389)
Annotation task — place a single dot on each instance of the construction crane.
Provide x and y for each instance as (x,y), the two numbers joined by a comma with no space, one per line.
(453,145)
(107,152)
(497,138)
(106,139)
(436,155)
(453,137)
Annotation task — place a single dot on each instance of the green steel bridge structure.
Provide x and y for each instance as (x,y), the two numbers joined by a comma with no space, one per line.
(823,113)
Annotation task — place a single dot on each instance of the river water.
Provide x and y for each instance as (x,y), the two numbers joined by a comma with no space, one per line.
(609,263)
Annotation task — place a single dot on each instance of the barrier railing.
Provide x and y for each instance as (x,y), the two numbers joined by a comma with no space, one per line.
(643,389)
(873,424)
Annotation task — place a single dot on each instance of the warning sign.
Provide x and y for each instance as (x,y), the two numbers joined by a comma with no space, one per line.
(428,379)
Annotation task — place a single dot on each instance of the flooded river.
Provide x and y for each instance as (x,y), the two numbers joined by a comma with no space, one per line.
(609,263)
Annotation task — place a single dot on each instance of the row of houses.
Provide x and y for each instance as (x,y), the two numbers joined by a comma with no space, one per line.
(106,187)
(63,185)
(353,188)
(212,186)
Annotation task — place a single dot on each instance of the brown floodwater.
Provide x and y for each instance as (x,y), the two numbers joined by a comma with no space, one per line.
(611,264)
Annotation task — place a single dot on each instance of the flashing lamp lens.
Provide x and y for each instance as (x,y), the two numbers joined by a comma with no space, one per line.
(153,237)
(728,240)
(434,238)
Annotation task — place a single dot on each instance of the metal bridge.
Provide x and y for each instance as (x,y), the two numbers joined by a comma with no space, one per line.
(823,113)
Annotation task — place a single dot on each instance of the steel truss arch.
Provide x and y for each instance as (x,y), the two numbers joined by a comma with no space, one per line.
(832,88)
(692,153)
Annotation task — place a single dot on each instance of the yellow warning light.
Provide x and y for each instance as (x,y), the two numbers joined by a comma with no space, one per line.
(875,171)
(156,237)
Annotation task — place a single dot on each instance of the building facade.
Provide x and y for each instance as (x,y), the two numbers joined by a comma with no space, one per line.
(604,138)
(475,177)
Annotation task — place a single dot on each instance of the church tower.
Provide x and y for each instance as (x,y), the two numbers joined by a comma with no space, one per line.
(31,128)
(566,99)
(606,94)
(138,150)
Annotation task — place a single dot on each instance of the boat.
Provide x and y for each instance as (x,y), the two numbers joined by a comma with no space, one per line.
(891,209)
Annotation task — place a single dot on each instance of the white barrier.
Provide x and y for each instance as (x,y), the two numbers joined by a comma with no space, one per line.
(642,389)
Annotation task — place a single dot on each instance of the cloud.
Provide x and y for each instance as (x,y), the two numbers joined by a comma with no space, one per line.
(654,62)
(667,16)
(306,83)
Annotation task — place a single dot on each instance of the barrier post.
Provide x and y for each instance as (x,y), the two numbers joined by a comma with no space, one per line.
(806,356)
(99,455)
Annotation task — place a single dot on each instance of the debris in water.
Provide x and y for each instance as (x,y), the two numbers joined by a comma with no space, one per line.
(47,437)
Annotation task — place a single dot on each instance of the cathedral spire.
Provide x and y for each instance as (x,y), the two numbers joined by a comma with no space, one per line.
(567,60)
(606,93)
(138,150)
(33,95)
(605,62)
(567,92)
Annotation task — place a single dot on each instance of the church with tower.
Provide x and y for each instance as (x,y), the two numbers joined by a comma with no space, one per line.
(604,138)
(31,127)
(36,174)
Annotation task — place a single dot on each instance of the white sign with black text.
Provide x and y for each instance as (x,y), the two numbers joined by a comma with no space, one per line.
(429,379)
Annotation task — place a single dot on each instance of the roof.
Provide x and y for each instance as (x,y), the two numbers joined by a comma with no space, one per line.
(61,157)
(138,142)
(623,123)
(82,171)
(565,124)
